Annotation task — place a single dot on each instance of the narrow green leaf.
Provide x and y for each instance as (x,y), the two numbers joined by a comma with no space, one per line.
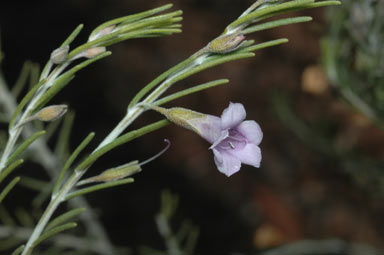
(8,188)
(130,18)
(54,231)
(145,14)
(3,119)
(264,45)
(255,15)
(42,196)
(18,250)
(189,91)
(71,158)
(65,78)
(153,21)
(52,127)
(87,62)
(46,70)
(159,79)
(98,187)
(63,218)
(9,243)
(62,146)
(33,183)
(156,21)
(24,101)
(10,168)
(210,62)
(67,41)
(24,145)
(276,23)
(24,217)
(299,8)
(141,34)
(191,241)
(191,68)
(72,36)
(22,79)
(121,140)
(59,84)
(6,217)
(34,74)
(323,3)
(43,189)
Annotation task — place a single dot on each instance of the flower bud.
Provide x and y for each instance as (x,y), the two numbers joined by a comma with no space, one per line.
(115,173)
(59,55)
(120,172)
(93,52)
(179,116)
(51,113)
(101,33)
(225,43)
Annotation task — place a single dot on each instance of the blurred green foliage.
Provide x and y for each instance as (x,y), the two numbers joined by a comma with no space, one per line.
(353,55)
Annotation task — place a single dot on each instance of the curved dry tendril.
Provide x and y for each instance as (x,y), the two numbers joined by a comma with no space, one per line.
(158,154)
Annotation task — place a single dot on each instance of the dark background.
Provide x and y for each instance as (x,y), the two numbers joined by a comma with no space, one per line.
(298,193)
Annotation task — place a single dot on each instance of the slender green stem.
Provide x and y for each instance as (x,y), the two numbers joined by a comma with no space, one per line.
(80,170)
(50,210)
(70,160)
(15,130)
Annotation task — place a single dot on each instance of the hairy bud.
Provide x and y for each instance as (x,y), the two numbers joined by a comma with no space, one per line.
(101,33)
(225,43)
(59,55)
(51,113)
(93,52)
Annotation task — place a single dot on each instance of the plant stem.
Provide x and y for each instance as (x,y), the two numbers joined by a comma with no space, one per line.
(135,111)
(55,202)
(15,131)
(44,156)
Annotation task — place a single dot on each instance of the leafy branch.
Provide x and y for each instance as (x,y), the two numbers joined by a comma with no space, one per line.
(53,79)
(231,45)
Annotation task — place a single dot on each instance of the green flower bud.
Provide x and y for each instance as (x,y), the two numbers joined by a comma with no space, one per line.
(225,43)
(179,116)
(59,55)
(51,113)
(120,172)
(115,173)
(93,52)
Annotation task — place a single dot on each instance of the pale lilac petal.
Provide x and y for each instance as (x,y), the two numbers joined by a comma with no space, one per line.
(226,163)
(250,155)
(208,128)
(251,131)
(224,134)
(233,115)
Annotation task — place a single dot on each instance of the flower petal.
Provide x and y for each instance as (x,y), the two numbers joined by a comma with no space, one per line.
(226,163)
(208,127)
(224,134)
(251,131)
(250,155)
(233,115)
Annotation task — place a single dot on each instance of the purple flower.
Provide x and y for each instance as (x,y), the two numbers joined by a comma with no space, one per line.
(234,141)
